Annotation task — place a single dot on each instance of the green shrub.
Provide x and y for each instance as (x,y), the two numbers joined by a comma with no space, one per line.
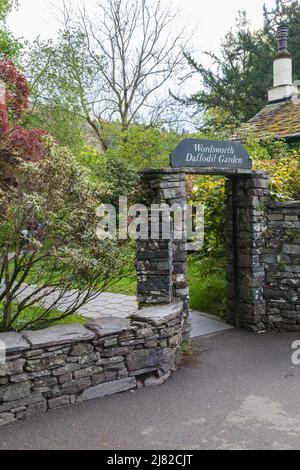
(49,239)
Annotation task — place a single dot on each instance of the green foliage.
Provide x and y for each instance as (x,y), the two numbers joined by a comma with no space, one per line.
(90,158)
(119,177)
(5,8)
(238,81)
(128,284)
(267,148)
(50,232)
(64,125)
(210,191)
(9,46)
(60,73)
(294,180)
(186,348)
(281,161)
(207,285)
(141,146)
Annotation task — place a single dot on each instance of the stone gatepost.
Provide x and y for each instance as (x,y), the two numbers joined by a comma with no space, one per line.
(162,263)
(253,195)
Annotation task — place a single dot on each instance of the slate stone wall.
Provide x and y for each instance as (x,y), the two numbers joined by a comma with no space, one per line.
(253,195)
(162,264)
(281,258)
(269,257)
(69,364)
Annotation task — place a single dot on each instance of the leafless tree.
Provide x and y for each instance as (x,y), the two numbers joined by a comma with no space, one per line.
(133,46)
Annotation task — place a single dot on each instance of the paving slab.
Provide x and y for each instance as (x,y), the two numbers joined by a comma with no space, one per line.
(204,324)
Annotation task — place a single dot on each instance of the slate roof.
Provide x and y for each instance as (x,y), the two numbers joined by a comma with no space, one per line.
(279,119)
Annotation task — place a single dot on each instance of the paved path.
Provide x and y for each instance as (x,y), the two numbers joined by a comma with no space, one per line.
(238,391)
(118,305)
(204,324)
(105,304)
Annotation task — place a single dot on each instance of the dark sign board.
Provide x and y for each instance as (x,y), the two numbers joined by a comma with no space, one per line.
(212,154)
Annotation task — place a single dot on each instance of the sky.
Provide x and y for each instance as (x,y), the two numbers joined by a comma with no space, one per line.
(210,20)
(206,22)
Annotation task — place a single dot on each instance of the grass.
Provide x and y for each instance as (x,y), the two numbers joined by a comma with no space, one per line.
(206,282)
(186,348)
(126,286)
(207,285)
(33,313)
(207,294)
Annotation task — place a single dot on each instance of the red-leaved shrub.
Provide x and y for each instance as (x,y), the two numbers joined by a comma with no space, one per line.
(16,142)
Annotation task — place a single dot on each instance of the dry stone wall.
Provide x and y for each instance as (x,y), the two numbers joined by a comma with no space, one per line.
(269,257)
(253,195)
(162,263)
(281,258)
(68,364)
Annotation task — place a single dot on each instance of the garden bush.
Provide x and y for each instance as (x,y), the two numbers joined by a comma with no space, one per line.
(48,239)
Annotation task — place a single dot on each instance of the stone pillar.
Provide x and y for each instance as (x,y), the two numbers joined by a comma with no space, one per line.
(161,263)
(253,195)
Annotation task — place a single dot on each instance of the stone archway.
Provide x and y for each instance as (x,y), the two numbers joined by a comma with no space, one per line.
(162,264)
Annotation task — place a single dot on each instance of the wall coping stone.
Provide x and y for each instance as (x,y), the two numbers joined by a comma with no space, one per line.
(58,335)
(14,342)
(284,205)
(73,333)
(159,314)
(107,326)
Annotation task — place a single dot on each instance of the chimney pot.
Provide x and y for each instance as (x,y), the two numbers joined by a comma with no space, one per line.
(282,36)
(283,88)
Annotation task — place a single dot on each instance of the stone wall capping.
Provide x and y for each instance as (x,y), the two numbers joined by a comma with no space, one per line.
(283,205)
(107,326)
(14,342)
(159,314)
(58,335)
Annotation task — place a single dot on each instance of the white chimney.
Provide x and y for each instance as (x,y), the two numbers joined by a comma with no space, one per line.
(283,87)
